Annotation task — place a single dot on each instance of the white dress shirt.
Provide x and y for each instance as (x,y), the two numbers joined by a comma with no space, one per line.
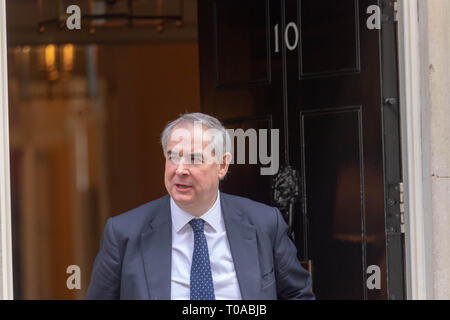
(226,286)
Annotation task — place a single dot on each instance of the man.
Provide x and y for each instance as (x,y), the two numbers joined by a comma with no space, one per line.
(196,242)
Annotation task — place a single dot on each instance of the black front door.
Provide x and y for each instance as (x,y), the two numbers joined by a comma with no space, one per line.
(313,70)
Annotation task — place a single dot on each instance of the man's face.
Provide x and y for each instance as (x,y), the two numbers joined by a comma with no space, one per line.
(192,172)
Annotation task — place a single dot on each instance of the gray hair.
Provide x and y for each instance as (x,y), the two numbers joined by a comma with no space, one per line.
(206,120)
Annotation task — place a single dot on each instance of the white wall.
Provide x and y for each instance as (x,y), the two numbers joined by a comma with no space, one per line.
(436,112)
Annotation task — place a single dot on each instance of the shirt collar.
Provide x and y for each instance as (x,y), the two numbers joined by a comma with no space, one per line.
(180,217)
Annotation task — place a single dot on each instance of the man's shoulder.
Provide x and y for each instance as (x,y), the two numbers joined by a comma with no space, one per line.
(246,202)
(135,219)
(255,211)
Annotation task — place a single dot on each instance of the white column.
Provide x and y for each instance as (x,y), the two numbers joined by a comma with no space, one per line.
(424,71)
(437,111)
(416,204)
(6,286)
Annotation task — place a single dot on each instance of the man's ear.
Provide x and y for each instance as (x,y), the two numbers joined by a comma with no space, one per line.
(224,164)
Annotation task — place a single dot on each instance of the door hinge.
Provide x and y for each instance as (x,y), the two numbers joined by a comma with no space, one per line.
(395,4)
(401,190)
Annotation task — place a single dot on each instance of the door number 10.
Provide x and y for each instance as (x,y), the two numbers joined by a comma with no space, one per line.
(289,45)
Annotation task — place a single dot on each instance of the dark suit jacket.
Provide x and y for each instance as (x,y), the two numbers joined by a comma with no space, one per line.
(134,261)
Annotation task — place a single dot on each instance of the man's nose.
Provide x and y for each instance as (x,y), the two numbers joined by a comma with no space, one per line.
(181,168)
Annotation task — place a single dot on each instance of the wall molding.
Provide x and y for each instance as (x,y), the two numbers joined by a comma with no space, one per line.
(417,201)
(6,276)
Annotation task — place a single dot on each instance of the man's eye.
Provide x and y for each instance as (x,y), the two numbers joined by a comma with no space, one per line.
(197,159)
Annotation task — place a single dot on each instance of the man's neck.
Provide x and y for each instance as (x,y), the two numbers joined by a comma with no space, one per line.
(198,211)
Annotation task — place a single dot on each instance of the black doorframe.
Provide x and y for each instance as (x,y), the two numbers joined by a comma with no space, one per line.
(393,180)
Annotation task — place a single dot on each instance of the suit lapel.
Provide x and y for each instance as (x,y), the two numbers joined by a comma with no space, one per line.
(244,250)
(156,250)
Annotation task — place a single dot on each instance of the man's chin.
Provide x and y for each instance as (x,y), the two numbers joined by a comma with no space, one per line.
(182,198)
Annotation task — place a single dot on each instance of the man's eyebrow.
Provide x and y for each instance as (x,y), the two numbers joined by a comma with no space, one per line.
(196,154)
(171,152)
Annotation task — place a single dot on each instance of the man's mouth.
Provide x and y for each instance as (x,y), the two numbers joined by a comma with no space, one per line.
(182,186)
